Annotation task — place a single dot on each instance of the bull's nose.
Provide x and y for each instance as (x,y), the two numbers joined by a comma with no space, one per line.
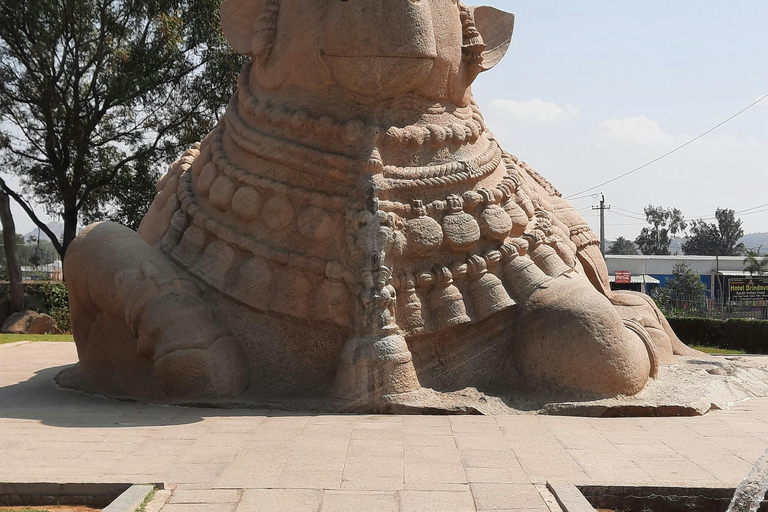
(379,48)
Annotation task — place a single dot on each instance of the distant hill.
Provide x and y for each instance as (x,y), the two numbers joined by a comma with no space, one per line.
(56,227)
(755,240)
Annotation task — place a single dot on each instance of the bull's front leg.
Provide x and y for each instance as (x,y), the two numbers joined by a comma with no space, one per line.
(125,292)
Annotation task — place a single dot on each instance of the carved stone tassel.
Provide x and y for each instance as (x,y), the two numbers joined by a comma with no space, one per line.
(446,302)
(545,256)
(516,214)
(521,275)
(486,290)
(409,314)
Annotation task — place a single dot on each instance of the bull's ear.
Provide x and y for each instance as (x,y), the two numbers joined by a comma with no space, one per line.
(237,19)
(495,27)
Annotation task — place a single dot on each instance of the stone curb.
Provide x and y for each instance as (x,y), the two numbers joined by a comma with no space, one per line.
(130,499)
(570,498)
(16,344)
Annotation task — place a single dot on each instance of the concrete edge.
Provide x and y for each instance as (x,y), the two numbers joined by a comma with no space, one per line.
(570,498)
(15,344)
(130,499)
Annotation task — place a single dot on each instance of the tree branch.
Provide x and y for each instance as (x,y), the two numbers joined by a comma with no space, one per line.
(40,224)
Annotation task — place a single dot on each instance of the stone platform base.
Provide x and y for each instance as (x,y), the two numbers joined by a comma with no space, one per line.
(693,387)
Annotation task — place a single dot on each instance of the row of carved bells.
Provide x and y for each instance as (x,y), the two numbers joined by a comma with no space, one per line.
(461,231)
(446,305)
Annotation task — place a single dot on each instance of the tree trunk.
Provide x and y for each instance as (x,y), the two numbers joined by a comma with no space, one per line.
(70,224)
(9,240)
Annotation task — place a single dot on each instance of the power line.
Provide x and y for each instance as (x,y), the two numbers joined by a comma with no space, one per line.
(672,151)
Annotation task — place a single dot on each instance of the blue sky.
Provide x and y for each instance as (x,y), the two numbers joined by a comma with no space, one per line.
(590,90)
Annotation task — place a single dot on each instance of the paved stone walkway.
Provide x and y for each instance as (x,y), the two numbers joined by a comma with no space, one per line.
(248,460)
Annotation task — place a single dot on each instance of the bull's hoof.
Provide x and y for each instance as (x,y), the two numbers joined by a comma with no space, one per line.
(194,373)
(571,339)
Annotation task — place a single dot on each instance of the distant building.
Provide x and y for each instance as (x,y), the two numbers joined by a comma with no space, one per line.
(50,271)
(717,273)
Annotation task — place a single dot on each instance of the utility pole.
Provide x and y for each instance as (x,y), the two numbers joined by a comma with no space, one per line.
(602,209)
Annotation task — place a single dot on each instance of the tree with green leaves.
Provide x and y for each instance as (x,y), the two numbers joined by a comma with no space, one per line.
(755,263)
(622,246)
(716,239)
(664,225)
(97,95)
(683,294)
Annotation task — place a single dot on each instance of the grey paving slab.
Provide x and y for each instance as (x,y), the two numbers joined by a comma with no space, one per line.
(345,501)
(251,460)
(437,501)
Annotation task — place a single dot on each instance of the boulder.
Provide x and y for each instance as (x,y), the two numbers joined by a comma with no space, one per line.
(30,322)
(43,324)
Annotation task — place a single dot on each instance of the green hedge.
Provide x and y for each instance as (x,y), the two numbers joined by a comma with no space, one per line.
(733,334)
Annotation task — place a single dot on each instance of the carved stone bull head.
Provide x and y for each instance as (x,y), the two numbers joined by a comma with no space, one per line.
(369,49)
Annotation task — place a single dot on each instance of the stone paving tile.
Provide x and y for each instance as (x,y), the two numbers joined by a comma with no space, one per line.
(198,507)
(541,470)
(374,448)
(427,475)
(677,473)
(490,440)
(748,449)
(502,458)
(441,440)
(431,454)
(194,473)
(301,479)
(343,501)
(437,501)
(610,466)
(279,500)
(651,450)
(493,475)
(507,497)
(364,472)
(205,496)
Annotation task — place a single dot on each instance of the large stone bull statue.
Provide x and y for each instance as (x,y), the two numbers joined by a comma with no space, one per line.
(352,229)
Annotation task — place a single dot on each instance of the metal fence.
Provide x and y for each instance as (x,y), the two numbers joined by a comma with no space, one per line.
(683,306)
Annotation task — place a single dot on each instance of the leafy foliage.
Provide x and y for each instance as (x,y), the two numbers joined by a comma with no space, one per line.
(622,246)
(54,299)
(100,93)
(682,295)
(756,263)
(664,225)
(721,239)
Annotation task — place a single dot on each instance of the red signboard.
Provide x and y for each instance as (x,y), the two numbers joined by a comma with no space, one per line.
(623,277)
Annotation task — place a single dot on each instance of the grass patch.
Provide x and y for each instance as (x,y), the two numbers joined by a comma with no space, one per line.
(23,510)
(150,497)
(12,338)
(715,350)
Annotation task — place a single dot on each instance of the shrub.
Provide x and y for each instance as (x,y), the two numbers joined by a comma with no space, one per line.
(54,299)
(735,333)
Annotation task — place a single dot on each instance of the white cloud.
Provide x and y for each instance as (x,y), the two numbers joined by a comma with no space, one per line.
(536,110)
(639,130)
